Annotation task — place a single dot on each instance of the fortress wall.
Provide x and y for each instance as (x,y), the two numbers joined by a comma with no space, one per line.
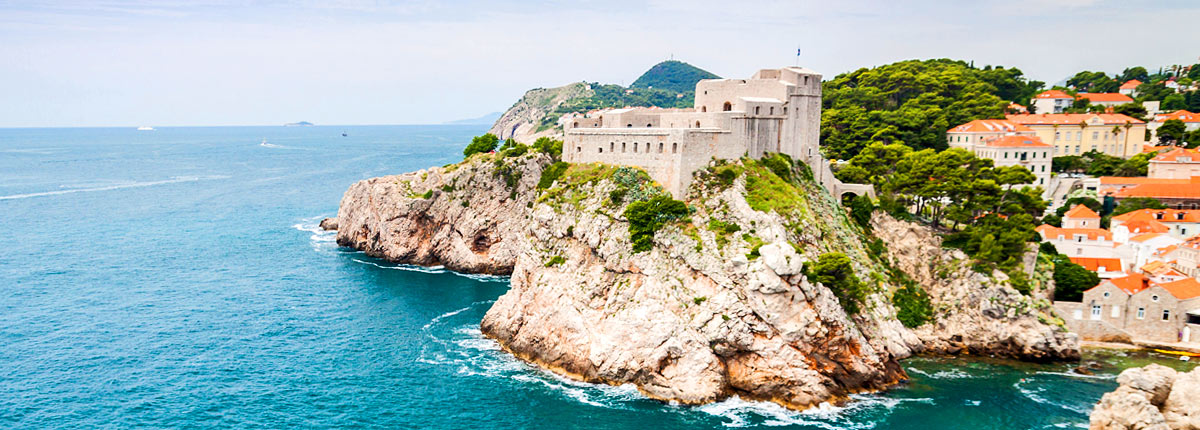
(712,94)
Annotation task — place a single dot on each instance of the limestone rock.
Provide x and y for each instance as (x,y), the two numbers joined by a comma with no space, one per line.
(522,120)
(1152,397)
(329,224)
(977,314)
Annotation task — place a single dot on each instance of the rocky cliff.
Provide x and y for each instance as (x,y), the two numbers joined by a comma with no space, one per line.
(719,304)
(523,120)
(1151,398)
(974,313)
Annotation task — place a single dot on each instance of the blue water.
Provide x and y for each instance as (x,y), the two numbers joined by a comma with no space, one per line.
(176,278)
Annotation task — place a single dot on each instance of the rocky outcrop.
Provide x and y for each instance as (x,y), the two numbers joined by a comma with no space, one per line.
(718,306)
(1154,397)
(523,120)
(974,313)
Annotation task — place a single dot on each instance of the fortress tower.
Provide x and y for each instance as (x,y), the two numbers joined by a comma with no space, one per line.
(776,110)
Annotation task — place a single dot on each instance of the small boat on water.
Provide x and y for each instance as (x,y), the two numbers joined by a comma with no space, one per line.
(1181,353)
(344,134)
(145,128)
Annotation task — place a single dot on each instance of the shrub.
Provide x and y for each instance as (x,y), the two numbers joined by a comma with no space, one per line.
(913,308)
(1047,248)
(552,174)
(779,164)
(834,271)
(481,144)
(860,210)
(699,300)
(555,260)
(719,226)
(548,146)
(1070,280)
(428,194)
(617,196)
(447,188)
(647,217)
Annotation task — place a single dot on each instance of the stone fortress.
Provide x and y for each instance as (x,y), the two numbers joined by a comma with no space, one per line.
(776,110)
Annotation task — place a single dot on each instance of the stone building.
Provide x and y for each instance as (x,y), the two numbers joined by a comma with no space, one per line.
(776,110)
(1105,99)
(1135,307)
(1178,163)
(1051,101)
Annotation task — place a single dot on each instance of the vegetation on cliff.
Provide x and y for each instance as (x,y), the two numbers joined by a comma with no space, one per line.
(914,102)
(672,75)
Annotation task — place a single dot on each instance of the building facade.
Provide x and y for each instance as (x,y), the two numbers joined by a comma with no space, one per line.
(776,110)
(1074,134)
(1051,101)
(1138,308)
(1178,163)
(1105,99)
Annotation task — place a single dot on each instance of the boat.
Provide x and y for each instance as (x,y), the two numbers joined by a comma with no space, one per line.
(145,128)
(344,134)
(1182,353)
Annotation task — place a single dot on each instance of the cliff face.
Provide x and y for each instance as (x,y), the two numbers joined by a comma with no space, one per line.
(1151,398)
(973,313)
(521,121)
(718,306)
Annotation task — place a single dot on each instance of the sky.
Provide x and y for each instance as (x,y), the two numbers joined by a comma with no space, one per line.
(207,62)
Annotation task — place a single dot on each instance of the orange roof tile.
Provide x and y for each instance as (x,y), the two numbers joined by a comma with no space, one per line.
(1071,118)
(990,126)
(1051,232)
(1151,148)
(1017,107)
(1081,211)
(1105,97)
(1130,84)
(1191,155)
(1138,180)
(1145,227)
(1168,215)
(1054,94)
(1094,264)
(1181,115)
(1155,266)
(1182,289)
(1016,142)
(1131,284)
(1164,191)
(1145,236)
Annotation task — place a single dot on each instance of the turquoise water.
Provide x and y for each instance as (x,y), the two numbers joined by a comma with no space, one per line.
(176,278)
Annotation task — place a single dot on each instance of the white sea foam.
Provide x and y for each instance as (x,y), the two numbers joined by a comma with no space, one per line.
(320,239)
(435,270)
(742,413)
(272,145)
(1035,394)
(174,180)
(1080,375)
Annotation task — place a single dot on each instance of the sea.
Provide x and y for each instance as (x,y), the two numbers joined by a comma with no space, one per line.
(176,278)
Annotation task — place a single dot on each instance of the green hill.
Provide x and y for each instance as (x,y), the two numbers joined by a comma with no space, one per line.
(672,75)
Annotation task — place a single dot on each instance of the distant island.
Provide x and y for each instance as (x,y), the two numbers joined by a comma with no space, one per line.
(298,124)
(487,119)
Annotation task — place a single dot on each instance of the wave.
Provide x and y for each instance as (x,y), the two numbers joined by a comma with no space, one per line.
(435,270)
(320,239)
(1079,375)
(743,413)
(1035,394)
(272,145)
(174,180)
(942,374)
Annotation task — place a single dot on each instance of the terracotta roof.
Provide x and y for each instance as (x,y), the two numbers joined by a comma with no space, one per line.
(1151,148)
(1166,191)
(1054,94)
(1156,267)
(1051,232)
(1017,107)
(1168,215)
(1094,264)
(1130,84)
(1105,97)
(1016,142)
(1081,211)
(1072,118)
(1131,284)
(1145,236)
(1182,289)
(989,126)
(1145,227)
(1181,115)
(1174,154)
(1137,180)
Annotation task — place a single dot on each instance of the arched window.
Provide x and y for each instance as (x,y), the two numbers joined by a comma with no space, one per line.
(578,149)
(697,124)
(675,148)
(660,147)
(785,110)
(703,108)
(648,125)
(622,146)
(629,125)
(575,124)
(728,107)
(612,146)
(600,149)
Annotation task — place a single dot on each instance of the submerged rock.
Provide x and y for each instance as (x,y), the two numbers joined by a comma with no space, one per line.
(1152,397)
(329,224)
(719,305)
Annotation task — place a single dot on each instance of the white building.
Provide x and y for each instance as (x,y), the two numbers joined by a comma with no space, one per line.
(776,110)
(1051,101)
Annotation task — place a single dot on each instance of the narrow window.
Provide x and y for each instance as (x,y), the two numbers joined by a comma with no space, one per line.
(1166,314)
(578,149)
(622,146)
(1095,312)
(697,124)
(704,108)
(1116,312)
(600,149)
(756,109)
(1141,313)
(634,146)
(612,146)
(660,147)
(772,110)
(675,148)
